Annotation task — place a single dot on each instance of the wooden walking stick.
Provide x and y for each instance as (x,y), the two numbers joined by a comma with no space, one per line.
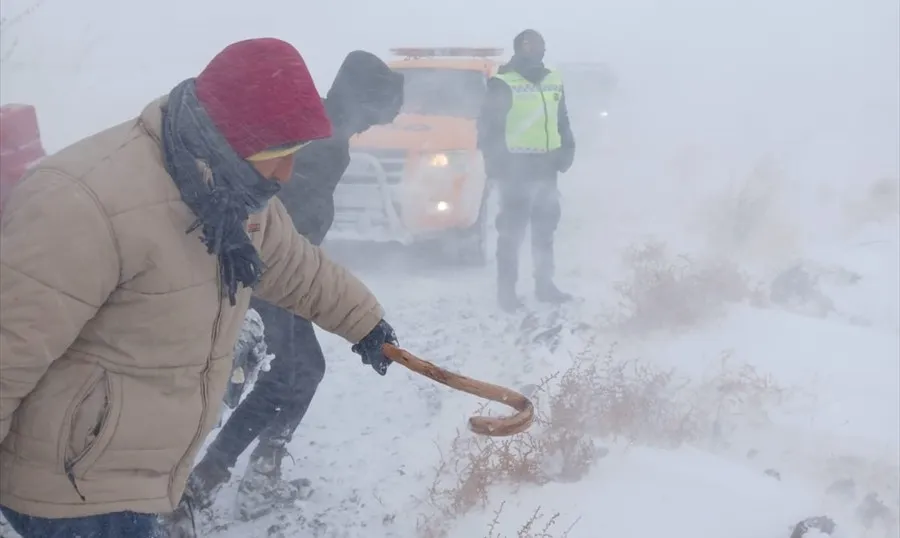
(493,426)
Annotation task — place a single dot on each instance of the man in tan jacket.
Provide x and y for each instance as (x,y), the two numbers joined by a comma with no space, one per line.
(128,260)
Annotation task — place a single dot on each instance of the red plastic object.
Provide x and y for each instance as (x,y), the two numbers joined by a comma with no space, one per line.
(20,145)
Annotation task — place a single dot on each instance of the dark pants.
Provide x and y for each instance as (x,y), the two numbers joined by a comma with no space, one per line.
(281,396)
(524,202)
(115,525)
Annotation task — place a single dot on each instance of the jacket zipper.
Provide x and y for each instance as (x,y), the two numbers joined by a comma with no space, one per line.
(70,474)
(206,367)
(69,466)
(546,119)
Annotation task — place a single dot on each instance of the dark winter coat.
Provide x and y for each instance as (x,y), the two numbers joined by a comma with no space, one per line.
(365,92)
(499,162)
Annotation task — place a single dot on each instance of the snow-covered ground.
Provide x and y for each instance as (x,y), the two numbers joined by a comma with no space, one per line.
(731,237)
(828,424)
(821,410)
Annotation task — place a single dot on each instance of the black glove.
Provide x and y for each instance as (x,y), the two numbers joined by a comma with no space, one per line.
(369,348)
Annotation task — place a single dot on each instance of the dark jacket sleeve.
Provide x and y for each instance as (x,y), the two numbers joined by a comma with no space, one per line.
(309,196)
(567,152)
(492,127)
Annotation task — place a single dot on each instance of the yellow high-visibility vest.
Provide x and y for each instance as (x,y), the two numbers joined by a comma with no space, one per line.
(532,120)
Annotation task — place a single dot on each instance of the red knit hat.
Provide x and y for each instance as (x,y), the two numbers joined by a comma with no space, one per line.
(260,96)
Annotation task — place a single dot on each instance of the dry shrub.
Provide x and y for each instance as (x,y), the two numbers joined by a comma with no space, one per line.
(647,405)
(629,400)
(594,399)
(749,215)
(674,293)
(529,529)
(474,464)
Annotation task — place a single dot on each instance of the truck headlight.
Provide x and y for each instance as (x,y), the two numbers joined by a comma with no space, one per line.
(439,160)
(455,161)
(437,176)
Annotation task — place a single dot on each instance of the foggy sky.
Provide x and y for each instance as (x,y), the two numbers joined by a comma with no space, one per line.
(765,72)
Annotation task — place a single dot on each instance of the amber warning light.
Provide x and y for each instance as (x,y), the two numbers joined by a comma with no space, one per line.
(430,52)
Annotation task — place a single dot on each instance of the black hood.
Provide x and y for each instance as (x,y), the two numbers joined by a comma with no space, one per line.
(533,70)
(365,92)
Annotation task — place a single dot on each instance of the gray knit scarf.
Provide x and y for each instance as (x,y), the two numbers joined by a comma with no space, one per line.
(222,204)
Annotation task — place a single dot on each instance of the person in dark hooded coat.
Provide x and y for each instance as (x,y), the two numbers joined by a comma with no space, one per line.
(365,92)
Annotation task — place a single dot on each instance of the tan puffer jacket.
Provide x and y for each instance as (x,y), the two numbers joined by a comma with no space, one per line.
(115,341)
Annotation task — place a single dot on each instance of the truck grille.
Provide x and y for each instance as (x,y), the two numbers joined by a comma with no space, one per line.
(361,172)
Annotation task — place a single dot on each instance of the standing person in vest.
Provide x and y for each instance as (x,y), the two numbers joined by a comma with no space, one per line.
(128,260)
(365,92)
(524,134)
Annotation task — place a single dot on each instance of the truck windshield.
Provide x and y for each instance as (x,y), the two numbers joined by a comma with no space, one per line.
(443,92)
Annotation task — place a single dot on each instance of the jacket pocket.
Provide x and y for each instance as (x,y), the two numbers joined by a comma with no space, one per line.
(90,423)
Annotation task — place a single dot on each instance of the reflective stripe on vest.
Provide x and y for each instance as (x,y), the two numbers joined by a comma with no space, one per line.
(532,121)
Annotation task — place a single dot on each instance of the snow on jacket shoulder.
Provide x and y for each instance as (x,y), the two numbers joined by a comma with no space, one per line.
(116,343)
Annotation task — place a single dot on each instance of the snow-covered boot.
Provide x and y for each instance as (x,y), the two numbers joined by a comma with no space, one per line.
(180,523)
(262,488)
(205,481)
(507,298)
(547,292)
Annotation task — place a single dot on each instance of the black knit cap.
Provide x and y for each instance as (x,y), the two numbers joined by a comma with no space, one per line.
(534,41)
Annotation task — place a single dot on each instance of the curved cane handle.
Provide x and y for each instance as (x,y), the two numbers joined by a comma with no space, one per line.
(493,426)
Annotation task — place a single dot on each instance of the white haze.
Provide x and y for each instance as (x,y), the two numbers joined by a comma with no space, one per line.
(811,88)
(759,73)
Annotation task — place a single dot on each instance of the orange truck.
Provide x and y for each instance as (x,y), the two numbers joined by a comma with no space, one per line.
(421,178)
